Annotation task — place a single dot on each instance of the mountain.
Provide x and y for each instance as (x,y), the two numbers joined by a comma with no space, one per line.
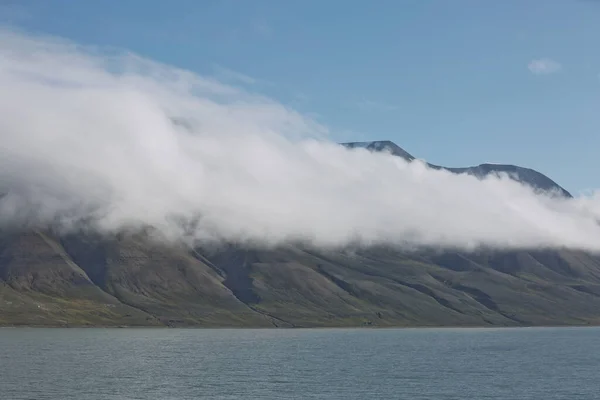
(381,146)
(130,279)
(527,176)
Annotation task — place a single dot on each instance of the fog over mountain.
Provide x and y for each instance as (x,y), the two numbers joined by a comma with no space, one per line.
(109,140)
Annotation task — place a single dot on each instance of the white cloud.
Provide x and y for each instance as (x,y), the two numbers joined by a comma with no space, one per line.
(89,138)
(544,66)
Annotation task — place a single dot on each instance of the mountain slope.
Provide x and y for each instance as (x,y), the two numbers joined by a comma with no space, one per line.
(132,280)
(527,176)
(129,279)
(41,285)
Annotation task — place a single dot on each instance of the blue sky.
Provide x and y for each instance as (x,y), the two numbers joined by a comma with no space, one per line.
(454,82)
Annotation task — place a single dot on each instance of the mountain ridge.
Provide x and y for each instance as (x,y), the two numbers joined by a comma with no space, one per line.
(528,176)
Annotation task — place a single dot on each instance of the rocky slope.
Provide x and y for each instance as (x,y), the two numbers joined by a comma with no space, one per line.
(129,280)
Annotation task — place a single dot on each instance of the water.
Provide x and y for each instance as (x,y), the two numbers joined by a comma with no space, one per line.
(86,364)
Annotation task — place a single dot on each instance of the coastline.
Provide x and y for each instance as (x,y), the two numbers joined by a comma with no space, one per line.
(355,327)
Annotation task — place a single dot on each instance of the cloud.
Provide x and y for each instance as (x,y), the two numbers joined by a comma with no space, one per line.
(112,141)
(544,66)
(369,105)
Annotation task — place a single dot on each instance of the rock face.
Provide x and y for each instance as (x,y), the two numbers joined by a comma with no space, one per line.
(130,280)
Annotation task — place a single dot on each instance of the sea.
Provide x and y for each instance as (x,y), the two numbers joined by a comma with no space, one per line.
(178,364)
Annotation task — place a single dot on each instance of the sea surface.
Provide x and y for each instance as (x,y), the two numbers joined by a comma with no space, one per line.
(164,364)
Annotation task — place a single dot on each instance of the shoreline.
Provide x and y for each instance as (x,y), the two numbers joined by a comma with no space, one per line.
(197,327)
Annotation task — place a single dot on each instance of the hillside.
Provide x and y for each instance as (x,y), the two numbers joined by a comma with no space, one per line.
(84,279)
(79,281)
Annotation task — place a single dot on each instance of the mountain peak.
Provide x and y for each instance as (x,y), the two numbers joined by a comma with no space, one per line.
(527,176)
(381,145)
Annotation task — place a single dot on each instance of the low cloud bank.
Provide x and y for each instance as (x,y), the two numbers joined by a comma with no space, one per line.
(111,141)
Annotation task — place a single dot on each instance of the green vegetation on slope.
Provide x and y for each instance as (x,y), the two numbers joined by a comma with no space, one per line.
(129,280)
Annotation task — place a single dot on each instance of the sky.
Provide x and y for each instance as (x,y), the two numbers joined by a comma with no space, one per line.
(454,82)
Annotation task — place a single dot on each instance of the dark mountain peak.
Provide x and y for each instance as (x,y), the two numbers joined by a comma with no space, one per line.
(382,145)
(527,176)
